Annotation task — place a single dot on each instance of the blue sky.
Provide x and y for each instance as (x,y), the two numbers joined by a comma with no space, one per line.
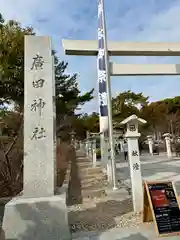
(127,20)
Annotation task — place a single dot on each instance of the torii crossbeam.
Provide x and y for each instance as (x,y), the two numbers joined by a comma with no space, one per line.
(90,48)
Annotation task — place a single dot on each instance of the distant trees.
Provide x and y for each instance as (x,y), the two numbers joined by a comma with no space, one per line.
(162,116)
(85,123)
(68,96)
(126,104)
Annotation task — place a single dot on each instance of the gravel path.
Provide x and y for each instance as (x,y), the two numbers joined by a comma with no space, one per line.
(103,214)
(113,210)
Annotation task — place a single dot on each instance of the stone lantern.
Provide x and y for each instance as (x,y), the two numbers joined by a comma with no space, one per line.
(132,135)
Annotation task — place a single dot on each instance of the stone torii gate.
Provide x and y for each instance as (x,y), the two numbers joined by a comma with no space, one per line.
(90,48)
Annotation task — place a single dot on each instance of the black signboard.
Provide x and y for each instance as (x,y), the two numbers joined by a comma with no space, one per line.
(164,206)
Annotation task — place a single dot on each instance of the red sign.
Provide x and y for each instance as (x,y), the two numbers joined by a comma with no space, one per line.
(159,198)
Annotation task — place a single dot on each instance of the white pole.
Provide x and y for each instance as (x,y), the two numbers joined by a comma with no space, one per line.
(103,109)
(109,104)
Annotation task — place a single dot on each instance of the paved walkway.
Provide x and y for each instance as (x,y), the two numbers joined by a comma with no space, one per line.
(145,232)
(153,168)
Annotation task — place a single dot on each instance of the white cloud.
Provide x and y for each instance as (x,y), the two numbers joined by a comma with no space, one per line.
(126,20)
(164,26)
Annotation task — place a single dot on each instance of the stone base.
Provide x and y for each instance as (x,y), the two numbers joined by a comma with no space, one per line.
(36,218)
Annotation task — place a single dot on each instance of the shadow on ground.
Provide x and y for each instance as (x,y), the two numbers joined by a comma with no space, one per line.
(2,207)
(136,236)
(41,221)
(101,217)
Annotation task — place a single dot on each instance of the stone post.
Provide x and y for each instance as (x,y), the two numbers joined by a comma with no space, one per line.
(104,159)
(132,136)
(167,137)
(90,149)
(102,146)
(108,160)
(94,152)
(150,143)
(88,144)
(39,119)
(81,146)
(39,212)
(86,147)
(73,141)
(121,144)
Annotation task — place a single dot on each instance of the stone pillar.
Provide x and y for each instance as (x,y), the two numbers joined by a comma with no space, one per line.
(103,147)
(87,143)
(135,172)
(94,152)
(103,151)
(86,147)
(168,144)
(38,213)
(81,146)
(108,161)
(39,118)
(150,143)
(132,136)
(73,140)
(90,149)
(121,144)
